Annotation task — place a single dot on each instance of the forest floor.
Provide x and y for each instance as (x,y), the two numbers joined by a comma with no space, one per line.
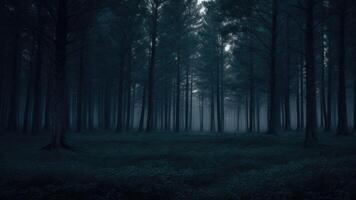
(178,166)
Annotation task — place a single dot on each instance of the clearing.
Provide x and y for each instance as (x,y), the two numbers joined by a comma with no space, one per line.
(178,166)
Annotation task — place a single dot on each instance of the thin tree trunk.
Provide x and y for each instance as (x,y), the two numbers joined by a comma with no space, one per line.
(212,113)
(151,69)
(187,99)
(120,108)
(273,124)
(14,100)
(129,90)
(143,108)
(287,122)
(342,110)
(177,122)
(36,115)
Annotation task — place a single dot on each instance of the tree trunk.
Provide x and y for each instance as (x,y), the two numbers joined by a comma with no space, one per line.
(218,92)
(151,69)
(120,104)
(287,122)
(273,124)
(201,118)
(310,133)
(212,113)
(177,122)
(354,100)
(342,128)
(14,100)
(36,124)
(238,107)
(187,86)
(81,86)
(143,107)
(58,100)
(129,90)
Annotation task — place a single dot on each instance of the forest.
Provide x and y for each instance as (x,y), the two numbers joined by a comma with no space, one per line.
(177,99)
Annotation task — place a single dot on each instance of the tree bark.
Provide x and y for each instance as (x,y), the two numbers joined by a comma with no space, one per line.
(58,100)
(287,122)
(177,118)
(151,69)
(36,124)
(310,132)
(143,107)
(273,124)
(342,110)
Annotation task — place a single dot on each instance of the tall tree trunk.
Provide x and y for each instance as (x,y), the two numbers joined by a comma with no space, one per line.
(298,106)
(310,132)
(251,127)
(238,108)
(36,115)
(14,85)
(201,109)
(287,122)
(222,99)
(151,69)
(274,122)
(191,103)
(143,107)
(354,100)
(258,114)
(328,116)
(177,122)
(322,92)
(81,86)
(218,92)
(120,108)
(58,100)
(342,128)
(187,86)
(247,113)
(129,90)
(30,92)
(212,109)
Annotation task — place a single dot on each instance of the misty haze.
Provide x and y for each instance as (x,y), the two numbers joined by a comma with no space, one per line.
(177,99)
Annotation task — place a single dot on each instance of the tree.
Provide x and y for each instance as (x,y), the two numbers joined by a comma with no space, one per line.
(310,132)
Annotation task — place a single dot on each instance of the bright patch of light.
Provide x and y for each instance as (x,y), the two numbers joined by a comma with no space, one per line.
(202,9)
(195,91)
(200,1)
(227,47)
